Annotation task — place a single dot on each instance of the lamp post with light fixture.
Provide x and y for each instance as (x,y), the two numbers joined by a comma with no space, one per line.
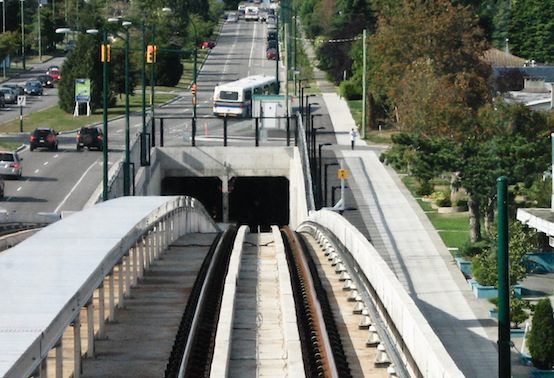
(127,161)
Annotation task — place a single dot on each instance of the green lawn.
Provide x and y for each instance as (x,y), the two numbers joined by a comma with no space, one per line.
(59,120)
(453,228)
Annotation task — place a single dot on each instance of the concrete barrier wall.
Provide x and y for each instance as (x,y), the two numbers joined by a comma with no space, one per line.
(427,350)
(298,211)
(222,350)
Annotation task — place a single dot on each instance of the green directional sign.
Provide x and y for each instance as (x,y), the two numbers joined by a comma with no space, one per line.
(82,90)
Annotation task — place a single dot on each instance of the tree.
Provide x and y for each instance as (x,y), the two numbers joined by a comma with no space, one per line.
(169,67)
(82,62)
(9,42)
(443,40)
(485,265)
(532,30)
(541,338)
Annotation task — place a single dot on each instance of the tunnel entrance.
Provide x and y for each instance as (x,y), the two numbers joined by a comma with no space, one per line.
(205,189)
(259,201)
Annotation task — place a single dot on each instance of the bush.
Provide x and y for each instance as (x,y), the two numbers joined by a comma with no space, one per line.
(441,199)
(460,203)
(424,188)
(473,249)
(350,90)
(541,338)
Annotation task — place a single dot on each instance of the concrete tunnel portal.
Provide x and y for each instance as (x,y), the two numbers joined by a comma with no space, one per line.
(254,201)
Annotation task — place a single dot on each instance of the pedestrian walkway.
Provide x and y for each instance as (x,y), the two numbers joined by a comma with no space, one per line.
(405,238)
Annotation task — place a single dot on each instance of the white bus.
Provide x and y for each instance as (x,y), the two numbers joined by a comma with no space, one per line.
(251,13)
(235,98)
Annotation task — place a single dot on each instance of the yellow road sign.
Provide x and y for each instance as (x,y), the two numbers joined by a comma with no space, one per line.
(342,173)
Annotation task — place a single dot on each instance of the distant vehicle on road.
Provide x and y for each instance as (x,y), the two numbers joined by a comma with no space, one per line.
(18,89)
(69,46)
(45,138)
(271,53)
(55,72)
(33,88)
(2,100)
(207,44)
(251,14)
(47,81)
(235,98)
(90,137)
(10,97)
(232,17)
(10,164)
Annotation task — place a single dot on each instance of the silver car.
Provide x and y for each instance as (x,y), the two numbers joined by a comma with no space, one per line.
(10,97)
(17,88)
(10,164)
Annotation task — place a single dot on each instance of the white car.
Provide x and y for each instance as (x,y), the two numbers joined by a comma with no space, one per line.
(232,17)
(10,164)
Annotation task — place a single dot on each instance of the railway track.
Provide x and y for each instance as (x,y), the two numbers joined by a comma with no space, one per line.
(259,304)
(277,303)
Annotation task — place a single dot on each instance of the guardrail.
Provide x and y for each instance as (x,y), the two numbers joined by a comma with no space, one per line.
(60,274)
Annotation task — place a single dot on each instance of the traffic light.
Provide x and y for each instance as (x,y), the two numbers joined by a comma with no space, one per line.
(193,89)
(151,54)
(105,52)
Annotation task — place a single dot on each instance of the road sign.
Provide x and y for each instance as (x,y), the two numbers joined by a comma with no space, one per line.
(21,100)
(82,90)
(342,173)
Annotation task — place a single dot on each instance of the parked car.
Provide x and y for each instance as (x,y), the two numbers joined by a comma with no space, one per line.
(45,138)
(207,44)
(2,100)
(90,137)
(10,97)
(271,54)
(18,89)
(55,72)
(47,81)
(34,88)
(10,164)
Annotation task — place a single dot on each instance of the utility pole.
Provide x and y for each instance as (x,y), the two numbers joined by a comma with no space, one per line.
(364,85)
(504,367)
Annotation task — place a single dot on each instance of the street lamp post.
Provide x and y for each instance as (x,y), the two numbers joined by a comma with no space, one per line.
(319,191)
(127,161)
(22,35)
(325,176)
(4,31)
(194,78)
(127,165)
(105,116)
(39,33)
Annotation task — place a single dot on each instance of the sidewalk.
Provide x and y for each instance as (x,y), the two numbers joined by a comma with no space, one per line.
(399,229)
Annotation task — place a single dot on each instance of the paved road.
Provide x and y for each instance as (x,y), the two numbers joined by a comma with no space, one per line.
(65,180)
(34,103)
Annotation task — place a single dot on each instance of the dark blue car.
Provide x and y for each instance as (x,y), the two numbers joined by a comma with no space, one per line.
(33,88)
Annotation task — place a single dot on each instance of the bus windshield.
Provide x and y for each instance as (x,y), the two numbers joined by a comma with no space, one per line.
(229,95)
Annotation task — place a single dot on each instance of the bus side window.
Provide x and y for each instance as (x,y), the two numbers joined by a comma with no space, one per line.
(258,90)
(247,95)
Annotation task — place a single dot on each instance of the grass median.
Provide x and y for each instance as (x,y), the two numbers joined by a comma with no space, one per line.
(59,120)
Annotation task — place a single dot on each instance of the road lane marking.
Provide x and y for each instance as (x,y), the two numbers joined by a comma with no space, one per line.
(18,189)
(75,187)
(36,170)
(55,156)
(45,163)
